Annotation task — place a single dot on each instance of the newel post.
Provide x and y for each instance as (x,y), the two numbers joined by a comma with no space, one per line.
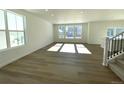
(105,59)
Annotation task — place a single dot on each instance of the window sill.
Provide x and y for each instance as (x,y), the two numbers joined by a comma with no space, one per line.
(70,38)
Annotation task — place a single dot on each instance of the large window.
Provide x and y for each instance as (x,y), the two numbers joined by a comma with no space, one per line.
(61,31)
(3,44)
(16,29)
(114,31)
(11,29)
(78,31)
(70,31)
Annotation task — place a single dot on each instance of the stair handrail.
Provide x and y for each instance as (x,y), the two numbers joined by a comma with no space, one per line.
(117,35)
(113,47)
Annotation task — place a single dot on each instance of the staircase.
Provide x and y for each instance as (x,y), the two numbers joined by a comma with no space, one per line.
(114,54)
(117,66)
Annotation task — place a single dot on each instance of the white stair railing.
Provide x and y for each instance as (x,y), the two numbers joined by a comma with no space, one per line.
(113,48)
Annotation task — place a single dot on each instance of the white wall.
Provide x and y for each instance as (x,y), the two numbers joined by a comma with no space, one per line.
(83,39)
(39,33)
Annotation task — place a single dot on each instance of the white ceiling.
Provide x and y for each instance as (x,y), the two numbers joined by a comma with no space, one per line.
(60,16)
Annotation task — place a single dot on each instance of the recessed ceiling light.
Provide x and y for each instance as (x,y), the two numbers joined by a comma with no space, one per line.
(46,10)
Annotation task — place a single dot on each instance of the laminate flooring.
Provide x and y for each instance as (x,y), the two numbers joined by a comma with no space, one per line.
(46,67)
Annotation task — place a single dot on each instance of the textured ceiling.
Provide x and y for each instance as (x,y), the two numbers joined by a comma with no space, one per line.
(60,16)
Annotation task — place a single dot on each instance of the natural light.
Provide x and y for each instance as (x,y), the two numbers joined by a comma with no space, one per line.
(68,48)
(82,49)
(56,47)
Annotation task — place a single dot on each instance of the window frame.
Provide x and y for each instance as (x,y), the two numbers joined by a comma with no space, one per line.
(74,34)
(4,20)
(7,31)
(114,30)
(4,30)
(59,32)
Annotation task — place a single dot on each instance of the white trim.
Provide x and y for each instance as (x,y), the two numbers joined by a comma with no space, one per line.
(7,32)
(105,61)
(2,30)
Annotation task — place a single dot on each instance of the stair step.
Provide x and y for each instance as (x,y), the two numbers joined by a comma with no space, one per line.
(117,56)
(117,69)
(121,57)
(120,61)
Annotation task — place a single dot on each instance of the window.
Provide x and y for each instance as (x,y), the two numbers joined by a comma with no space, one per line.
(119,30)
(70,31)
(2,20)
(114,31)
(16,29)
(61,31)
(3,44)
(3,40)
(78,31)
(11,29)
(110,32)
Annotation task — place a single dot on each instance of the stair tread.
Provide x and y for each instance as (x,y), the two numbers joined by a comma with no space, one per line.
(119,70)
(120,61)
(121,57)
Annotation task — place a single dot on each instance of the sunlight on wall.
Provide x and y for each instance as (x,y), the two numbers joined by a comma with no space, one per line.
(56,47)
(68,48)
(82,49)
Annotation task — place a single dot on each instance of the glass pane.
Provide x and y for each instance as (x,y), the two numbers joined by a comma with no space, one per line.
(61,31)
(19,20)
(119,30)
(11,21)
(21,38)
(78,31)
(3,40)
(110,32)
(13,39)
(2,21)
(70,31)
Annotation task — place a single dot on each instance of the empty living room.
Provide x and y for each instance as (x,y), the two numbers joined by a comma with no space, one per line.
(61,46)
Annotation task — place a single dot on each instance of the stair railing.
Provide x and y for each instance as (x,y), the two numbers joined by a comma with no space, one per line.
(113,48)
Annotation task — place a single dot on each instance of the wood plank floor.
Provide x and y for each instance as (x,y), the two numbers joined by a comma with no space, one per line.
(44,67)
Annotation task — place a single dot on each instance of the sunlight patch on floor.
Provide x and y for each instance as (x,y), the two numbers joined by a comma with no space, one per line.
(55,48)
(82,49)
(69,48)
